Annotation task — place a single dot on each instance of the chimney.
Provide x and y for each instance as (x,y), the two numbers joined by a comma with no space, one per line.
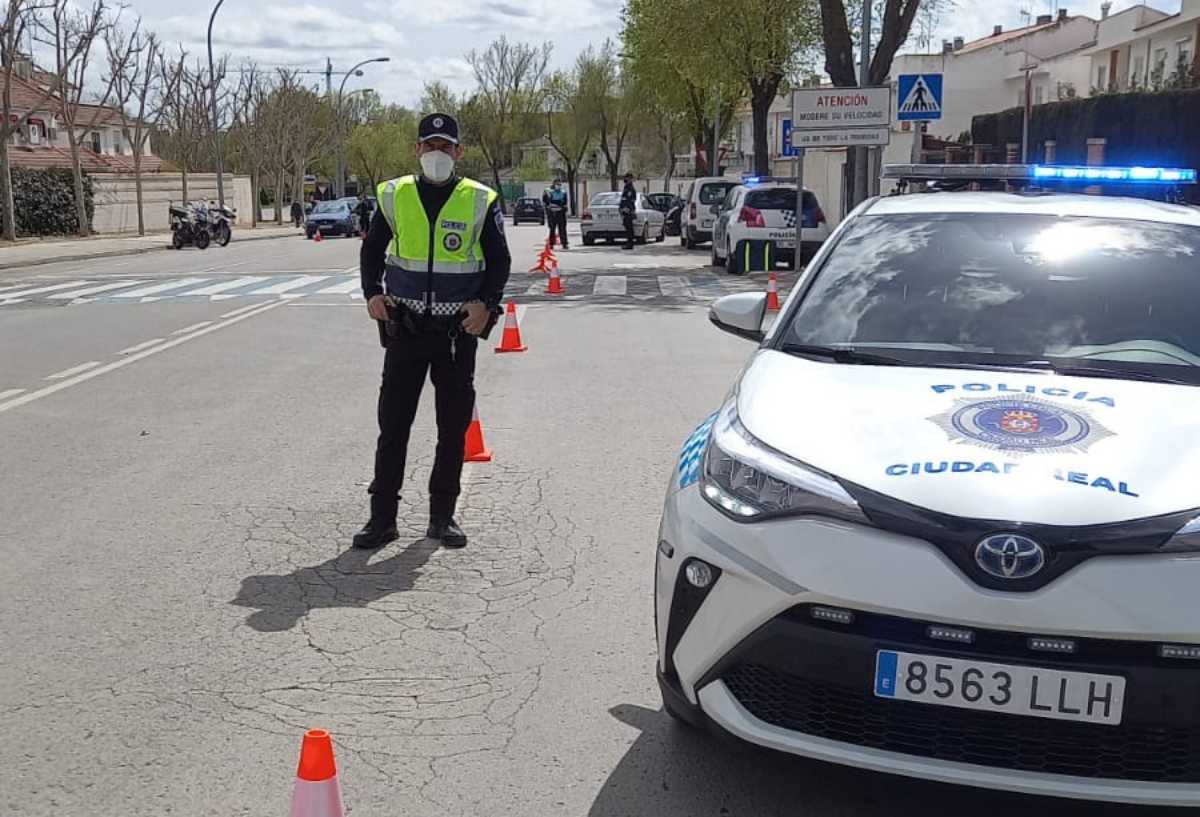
(997,30)
(1042,19)
(23,67)
(958,43)
(1062,15)
(947,47)
(1105,8)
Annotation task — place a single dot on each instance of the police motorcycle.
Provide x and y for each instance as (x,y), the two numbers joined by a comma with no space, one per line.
(189,226)
(220,223)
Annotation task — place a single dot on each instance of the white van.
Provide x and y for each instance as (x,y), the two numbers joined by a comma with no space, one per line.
(698,216)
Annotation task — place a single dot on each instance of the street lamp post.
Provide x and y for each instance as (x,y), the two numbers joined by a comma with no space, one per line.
(216,124)
(341,159)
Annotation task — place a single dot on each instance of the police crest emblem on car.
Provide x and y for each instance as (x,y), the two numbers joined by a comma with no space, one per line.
(1020,425)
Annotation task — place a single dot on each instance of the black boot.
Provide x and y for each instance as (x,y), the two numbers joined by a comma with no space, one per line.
(447,531)
(375,534)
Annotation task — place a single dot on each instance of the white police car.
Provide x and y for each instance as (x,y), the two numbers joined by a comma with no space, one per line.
(946,523)
(763,209)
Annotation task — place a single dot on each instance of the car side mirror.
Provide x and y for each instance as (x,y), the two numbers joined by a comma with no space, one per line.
(741,314)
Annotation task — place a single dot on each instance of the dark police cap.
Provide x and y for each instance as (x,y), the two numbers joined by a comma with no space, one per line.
(438,126)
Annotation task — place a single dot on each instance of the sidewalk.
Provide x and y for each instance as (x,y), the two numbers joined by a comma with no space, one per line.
(32,252)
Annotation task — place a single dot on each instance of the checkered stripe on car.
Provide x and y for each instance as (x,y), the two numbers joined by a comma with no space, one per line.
(789,218)
(692,456)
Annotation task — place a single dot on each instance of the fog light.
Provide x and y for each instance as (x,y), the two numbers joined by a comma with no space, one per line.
(950,634)
(1179,651)
(698,574)
(1062,645)
(834,614)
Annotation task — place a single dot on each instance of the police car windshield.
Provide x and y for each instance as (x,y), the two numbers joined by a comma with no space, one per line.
(1012,289)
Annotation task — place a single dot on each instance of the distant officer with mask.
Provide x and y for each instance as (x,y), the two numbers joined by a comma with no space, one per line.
(555,201)
(434,265)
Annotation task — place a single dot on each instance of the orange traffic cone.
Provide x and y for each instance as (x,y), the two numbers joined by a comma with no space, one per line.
(545,259)
(317,792)
(555,286)
(772,293)
(476,450)
(510,341)
(317,236)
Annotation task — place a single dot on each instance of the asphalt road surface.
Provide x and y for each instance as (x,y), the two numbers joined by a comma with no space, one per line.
(186,438)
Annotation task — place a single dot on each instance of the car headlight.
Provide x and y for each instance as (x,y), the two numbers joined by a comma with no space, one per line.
(1186,539)
(748,481)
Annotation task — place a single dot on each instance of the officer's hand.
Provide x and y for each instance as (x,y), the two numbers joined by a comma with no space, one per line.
(477,318)
(377,308)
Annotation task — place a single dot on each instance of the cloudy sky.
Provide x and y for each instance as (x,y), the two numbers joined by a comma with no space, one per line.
(427,40)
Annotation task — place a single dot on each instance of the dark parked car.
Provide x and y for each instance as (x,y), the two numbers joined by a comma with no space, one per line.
(672,224)
(662,202)
(528,209)
(333,218)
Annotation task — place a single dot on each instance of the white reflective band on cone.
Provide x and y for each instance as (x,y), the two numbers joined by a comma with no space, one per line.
(321,798)
(510,320)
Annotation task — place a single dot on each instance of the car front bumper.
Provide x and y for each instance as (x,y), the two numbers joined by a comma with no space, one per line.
(751,661)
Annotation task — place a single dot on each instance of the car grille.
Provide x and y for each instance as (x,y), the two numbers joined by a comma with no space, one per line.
(1167,754)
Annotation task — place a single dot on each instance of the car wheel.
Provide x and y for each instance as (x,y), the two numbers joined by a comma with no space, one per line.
(610,240)
(645,236)
(732,265)
(714,259)
(588,240)
(661,237)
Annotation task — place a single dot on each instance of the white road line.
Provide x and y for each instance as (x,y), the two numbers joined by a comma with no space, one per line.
(191,328)
(179,283)
(79,293)
(610,285)
(13,301)
(39,290)
(675,286)
(213,289)
(241,309)
(82,367)
(536,288)
(349,270)
(139,347)
(17,402)
(4,395)
(286,286)
(347,287)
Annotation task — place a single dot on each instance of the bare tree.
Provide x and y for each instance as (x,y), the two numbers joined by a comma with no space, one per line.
(568,109)
(20,17)
(613,96)
(186,140)
(508,99)
(141,109)
(73,34)
(248,147)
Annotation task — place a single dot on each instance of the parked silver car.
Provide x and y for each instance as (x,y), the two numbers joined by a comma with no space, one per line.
(602,219)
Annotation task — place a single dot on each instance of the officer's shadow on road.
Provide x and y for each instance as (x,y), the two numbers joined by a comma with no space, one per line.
(349,580)
(672,770)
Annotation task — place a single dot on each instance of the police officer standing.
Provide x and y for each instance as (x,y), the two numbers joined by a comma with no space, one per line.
(627,208)
(555,201)
(434,265)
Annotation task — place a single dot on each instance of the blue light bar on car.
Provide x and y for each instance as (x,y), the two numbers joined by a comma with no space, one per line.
(1041,173)
(1142,175)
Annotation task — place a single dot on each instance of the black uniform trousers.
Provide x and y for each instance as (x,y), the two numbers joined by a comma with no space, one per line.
(557,219)
(627,218)
(407,361)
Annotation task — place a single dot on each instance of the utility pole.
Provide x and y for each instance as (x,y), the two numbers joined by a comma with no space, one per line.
(1027,108)
(862,155)
(328,76)
(216,122)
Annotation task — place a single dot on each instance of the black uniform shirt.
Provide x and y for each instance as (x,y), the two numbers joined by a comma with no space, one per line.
(496,259)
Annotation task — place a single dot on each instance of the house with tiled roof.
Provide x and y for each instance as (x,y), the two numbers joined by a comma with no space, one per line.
(42,142)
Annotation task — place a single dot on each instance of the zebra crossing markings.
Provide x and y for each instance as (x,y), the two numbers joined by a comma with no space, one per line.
(287,286)
(610,285)
(674,286)
(83,293)
(156,289)
(223,286)
(41,290)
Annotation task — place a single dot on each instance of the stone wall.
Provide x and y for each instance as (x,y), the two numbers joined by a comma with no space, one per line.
(116,199)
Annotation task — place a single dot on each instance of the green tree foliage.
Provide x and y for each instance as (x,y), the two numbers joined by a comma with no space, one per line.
(669,48)
(379,151)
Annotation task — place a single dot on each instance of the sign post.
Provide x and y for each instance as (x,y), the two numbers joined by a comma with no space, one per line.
(835,118)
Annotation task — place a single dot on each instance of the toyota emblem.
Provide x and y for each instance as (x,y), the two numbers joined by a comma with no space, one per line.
(1010,556)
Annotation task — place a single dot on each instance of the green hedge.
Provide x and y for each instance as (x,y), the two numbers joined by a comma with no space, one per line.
(1141,129)
(45,201)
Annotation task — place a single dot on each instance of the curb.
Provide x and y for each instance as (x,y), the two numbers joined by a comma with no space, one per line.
(37,262)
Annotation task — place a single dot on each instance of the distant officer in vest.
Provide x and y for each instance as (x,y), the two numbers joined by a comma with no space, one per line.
(434,265)
(554,198)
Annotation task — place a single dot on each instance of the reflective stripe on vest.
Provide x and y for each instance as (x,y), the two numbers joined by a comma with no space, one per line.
(455,248)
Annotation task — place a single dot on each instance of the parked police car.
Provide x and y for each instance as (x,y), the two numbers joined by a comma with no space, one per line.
(763,210)
(946,524)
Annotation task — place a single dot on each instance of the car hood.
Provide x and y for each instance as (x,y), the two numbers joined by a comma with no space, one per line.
(1019,447)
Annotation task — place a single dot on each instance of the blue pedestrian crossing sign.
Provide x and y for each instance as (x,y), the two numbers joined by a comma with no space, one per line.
(920,97)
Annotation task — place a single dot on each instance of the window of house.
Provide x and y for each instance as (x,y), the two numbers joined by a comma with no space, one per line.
(94,140)
(1102,76)
(1039,95)
(1160,60)
(118,147)
(35,132)
(1185,51)
(1139,68)
(1021,98)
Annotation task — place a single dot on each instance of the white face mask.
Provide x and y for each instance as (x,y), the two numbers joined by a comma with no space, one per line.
(437,165)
